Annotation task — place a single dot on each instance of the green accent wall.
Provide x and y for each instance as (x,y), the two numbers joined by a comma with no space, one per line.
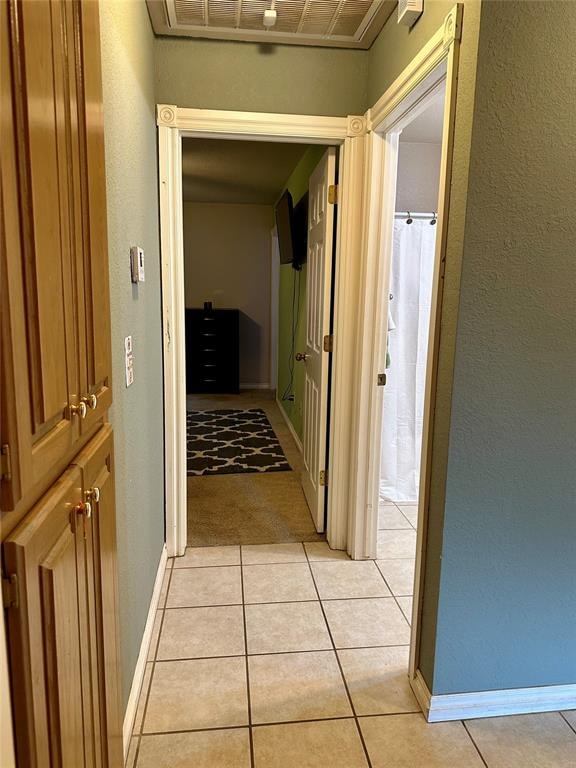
(220,74)
(127,46)
(297,184)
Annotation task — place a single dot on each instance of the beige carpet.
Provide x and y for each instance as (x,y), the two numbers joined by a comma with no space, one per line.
(253,508)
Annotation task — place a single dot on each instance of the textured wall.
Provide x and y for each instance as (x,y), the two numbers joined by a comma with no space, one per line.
(418,177)
(297,184)
(130,132)
(507,598)
(214,74)
(227,251)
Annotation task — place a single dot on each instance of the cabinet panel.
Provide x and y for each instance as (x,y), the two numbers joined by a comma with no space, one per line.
(96,463)
(44,627)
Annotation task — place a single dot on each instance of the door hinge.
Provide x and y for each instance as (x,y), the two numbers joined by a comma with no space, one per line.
(333,194)
(323,477)
(381,379)
(10,591)
(5,463)
(328,343)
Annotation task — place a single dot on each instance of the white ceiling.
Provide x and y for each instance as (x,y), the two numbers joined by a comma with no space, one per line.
(223,171)
(335,23)
(427,127)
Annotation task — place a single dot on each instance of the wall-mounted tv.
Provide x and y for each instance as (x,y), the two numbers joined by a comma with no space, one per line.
(292,226)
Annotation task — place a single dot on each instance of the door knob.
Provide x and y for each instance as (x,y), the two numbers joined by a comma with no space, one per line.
(92,495)
(79,410)
(91,401)
(84,508)
(301,357)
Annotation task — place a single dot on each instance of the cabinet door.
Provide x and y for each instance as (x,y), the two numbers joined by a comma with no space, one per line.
(47,630)
(96,463)
(39,328)
(93,299)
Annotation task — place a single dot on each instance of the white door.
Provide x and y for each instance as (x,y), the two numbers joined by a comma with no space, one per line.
(318,293)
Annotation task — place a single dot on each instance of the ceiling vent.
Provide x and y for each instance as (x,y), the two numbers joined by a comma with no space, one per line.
(334,23)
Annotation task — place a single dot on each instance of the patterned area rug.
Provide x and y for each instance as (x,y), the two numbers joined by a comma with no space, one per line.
(230,441)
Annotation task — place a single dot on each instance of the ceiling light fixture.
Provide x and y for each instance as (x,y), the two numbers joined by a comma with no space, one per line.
(270,15)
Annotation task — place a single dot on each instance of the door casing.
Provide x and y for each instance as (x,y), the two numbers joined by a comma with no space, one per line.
(349,135)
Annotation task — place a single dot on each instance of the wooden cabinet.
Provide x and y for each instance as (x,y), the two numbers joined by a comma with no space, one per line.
(57,514)
(56,366)
(62,623)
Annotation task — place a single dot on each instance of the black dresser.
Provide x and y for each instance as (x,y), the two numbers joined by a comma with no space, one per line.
(212,343)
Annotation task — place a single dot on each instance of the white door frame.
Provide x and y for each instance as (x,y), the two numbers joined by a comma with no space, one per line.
(435,65)
(349,134)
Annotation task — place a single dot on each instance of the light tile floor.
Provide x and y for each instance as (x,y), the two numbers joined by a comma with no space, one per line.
(294,656)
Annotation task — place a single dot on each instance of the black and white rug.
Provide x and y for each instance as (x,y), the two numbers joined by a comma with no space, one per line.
(230,441)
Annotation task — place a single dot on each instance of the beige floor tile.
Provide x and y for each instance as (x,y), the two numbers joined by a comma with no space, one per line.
(155,635)
(410,512)
(393,544)
(296,686)
(390,517)
(399,575)
(278,583)
(405,604)
(189,633)
(190,587)
(200,557)
(197,694)
(283,627)
(408,741)
(525,741)
(203,749)
(570,715)
(261,554)
(377,679)
(365,623)
(356,578)
(319,550)
(142,699)
(333,743)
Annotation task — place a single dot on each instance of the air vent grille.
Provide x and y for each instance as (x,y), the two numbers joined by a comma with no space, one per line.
(312,22)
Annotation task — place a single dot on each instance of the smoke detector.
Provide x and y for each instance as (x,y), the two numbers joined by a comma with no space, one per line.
(270,16)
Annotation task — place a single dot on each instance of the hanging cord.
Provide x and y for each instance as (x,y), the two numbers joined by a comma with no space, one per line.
(288,393)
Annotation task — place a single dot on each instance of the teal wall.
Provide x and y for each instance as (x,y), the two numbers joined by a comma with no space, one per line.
(219,74)
(131,180)
(297,184)
(507,592)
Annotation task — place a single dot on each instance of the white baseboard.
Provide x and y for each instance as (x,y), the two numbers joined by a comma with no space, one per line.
(130,714)
(289,425)
(256,386)
(510,701)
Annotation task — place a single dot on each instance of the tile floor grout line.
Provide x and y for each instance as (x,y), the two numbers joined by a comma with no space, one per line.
(476,747)
(279,653)
(395,598)
(568,723)
(247,668)
(345,683)
(286,602)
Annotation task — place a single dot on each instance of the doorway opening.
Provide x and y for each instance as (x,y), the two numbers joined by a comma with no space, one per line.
(257,253)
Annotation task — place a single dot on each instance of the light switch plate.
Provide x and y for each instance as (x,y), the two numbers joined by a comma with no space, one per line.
(128,360)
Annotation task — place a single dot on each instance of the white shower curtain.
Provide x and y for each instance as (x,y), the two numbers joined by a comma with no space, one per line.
(411,289)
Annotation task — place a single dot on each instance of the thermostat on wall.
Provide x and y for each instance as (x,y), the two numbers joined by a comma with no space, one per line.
(409,11)
(137,264)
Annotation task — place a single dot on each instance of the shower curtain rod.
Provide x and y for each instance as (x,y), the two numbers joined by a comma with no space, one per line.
(409,214)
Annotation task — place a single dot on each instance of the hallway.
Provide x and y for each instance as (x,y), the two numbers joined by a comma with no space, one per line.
(251,508)
(286,655)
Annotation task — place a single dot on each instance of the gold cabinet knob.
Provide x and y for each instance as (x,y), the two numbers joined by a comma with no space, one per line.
(79,410)
(84,508)
(92,495)
(91,401)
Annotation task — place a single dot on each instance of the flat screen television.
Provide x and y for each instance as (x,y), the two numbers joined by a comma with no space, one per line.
(291,225)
